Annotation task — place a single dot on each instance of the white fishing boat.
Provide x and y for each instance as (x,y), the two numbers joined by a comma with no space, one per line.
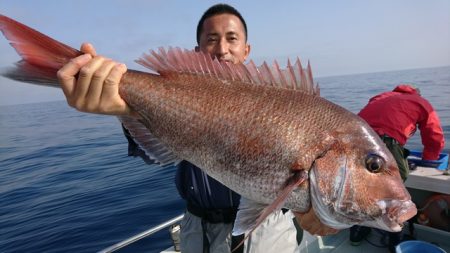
(423,183)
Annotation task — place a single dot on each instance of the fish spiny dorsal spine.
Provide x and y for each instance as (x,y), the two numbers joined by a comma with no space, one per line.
(188,61)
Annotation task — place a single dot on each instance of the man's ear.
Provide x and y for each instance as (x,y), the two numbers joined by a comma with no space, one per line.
(197,49)
(247,51)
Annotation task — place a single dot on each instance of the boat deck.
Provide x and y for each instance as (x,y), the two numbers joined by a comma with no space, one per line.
(374,243)
(429,179)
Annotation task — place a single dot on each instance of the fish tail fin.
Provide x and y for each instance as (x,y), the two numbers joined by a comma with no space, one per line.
(41,55)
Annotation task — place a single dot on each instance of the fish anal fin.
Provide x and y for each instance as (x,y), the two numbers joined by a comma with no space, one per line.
(251,214)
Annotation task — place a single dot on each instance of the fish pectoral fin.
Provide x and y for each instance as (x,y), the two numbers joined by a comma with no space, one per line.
(155,151)
(251,214)
(247,215)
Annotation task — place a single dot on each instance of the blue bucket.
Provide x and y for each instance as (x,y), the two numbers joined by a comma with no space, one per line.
(417,247)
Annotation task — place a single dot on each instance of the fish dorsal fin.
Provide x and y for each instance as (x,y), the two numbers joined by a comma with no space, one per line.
(188,61)
(155,151)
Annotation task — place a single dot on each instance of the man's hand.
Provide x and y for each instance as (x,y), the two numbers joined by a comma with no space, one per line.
(91,83)
(311,223)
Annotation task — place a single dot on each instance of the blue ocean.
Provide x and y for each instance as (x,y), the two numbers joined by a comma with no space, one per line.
(67,184)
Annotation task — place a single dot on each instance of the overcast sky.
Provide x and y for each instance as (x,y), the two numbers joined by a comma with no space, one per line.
(338,37)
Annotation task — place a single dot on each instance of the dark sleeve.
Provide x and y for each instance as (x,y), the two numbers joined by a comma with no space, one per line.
(201,190)
(181,179)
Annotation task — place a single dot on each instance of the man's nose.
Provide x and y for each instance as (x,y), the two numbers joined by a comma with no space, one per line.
(222,47)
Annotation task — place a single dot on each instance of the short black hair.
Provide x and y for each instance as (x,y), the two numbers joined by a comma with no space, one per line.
(217,10)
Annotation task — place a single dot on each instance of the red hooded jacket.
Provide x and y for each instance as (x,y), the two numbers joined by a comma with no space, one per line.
(397,113)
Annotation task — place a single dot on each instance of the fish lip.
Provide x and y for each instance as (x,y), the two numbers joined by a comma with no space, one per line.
(396,212)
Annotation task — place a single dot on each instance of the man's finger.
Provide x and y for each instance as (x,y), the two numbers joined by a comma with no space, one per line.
(94,92)
(84,81)
(66,75)
(111,87)
(88,48)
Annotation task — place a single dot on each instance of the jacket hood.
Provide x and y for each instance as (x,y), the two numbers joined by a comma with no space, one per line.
(406,88)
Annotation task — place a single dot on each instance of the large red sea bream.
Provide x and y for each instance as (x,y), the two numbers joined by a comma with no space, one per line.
(262,131)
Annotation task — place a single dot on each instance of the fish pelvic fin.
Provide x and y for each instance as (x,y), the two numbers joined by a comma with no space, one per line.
(155,151)
(179,60)
(251,214)
(310,222)
(41,55)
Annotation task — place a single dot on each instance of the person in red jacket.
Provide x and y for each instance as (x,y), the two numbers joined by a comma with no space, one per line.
(395,117)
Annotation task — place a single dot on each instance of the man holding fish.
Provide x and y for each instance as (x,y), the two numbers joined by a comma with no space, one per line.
(222,33)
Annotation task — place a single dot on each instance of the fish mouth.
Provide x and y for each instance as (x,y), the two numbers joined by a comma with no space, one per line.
(394,214)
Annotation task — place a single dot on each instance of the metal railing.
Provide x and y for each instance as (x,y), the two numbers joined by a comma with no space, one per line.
(142,235)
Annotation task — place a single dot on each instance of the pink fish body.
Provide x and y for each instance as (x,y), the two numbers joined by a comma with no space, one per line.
(263,132)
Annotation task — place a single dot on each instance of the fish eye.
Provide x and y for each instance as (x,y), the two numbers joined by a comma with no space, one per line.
(374,163)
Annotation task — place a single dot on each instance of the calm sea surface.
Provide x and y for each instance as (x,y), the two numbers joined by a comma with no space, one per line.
(67,184)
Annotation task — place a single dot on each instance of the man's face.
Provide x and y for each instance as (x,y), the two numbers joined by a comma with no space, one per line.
(223,37)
